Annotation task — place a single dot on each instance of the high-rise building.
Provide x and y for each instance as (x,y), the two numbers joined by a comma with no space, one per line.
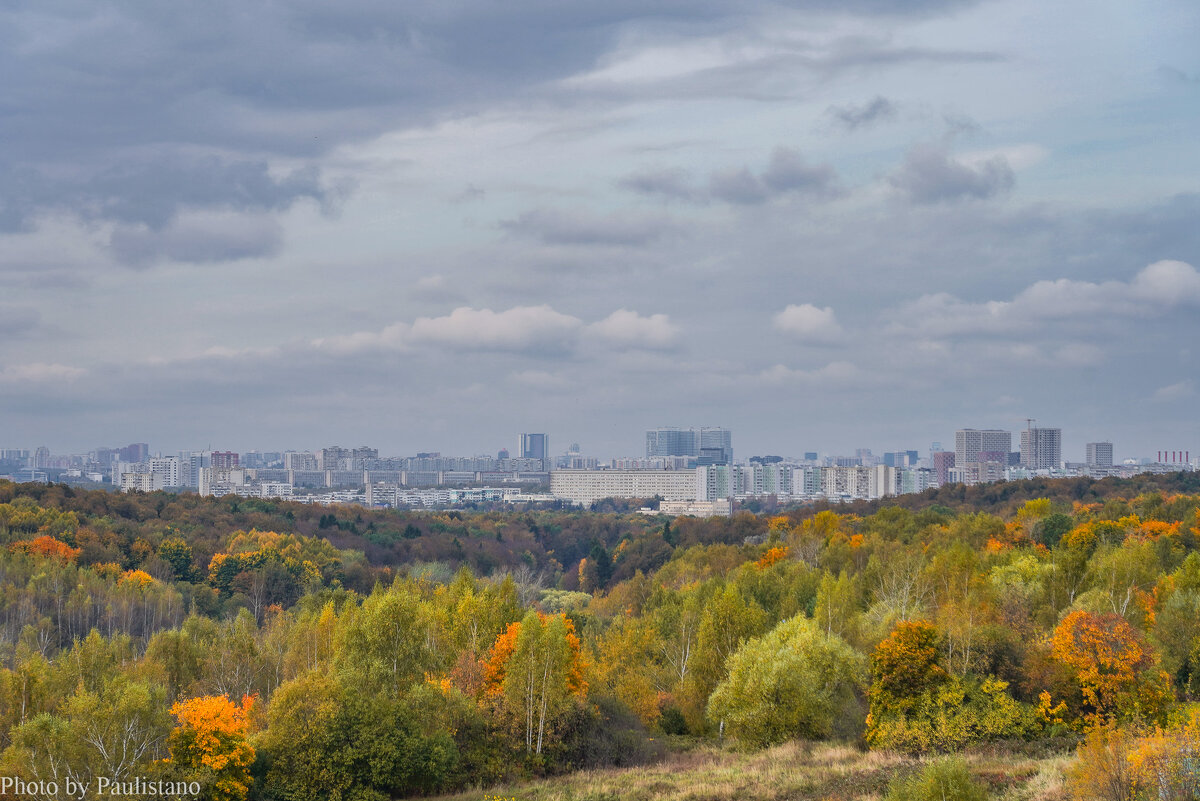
(708,445)
(17,455)
(331,458)
(900,459)
(716,446)
(135,452)
(1041,448)
(970,442)
(1099,454)
(190,465)
(41,457)
(533,446)
(942,462)
(167,468)
(671,442)
(293,460)
(224,460)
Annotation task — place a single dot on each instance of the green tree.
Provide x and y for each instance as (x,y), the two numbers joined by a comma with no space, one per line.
(325,741)
(542,676)
(726,622)
(792,682)
(383,643)
(838,601)
(178,554)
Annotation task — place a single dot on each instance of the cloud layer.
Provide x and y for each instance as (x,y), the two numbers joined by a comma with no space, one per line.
(822,224)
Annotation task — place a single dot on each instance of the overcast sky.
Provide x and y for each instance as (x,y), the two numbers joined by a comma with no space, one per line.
(433,224)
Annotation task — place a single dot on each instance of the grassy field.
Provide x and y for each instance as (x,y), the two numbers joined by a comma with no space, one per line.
(791,771)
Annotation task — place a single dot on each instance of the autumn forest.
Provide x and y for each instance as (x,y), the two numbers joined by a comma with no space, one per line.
(263,649)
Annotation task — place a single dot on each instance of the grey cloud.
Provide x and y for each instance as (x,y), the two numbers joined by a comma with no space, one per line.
(853,117)
(670,183)
(300,78)
(17,321)
(154,192)
(1165,230)
(1179,76)
(785,172)
(555,227)
(198,239)
(859,51)
(737,186)
(143,88)
(788,172)
(930,175)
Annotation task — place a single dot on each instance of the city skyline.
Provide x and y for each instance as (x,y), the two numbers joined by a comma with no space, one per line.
(421,225)
(1116,451)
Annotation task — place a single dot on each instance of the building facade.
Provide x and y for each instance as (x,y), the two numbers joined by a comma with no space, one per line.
(533,446)
(970,442)
(1041,448)
(1099,454)
(707,445)
(585,487)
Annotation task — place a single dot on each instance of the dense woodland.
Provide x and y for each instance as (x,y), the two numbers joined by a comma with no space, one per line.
(275,650)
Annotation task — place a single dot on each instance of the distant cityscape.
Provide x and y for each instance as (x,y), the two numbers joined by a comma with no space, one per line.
(690,470)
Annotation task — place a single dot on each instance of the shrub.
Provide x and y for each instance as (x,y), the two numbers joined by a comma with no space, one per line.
(947,779)
(952,715)
(1101,771)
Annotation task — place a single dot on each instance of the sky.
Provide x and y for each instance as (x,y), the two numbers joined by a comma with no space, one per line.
(429,226)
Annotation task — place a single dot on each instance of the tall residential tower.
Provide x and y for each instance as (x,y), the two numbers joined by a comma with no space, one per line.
(1041,448)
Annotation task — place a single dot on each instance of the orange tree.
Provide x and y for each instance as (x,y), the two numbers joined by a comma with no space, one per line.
(904,667)
(1115,673)
(209,746)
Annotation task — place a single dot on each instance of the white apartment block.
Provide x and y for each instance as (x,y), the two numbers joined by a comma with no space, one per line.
(169,468)
(142,482)
(585,487)
(121,468)
(859,483)
(222,481)
(771,479)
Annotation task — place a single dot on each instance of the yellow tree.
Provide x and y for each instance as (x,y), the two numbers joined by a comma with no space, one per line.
(625,659)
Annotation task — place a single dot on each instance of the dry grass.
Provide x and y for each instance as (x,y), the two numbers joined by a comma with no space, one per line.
(817,771)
